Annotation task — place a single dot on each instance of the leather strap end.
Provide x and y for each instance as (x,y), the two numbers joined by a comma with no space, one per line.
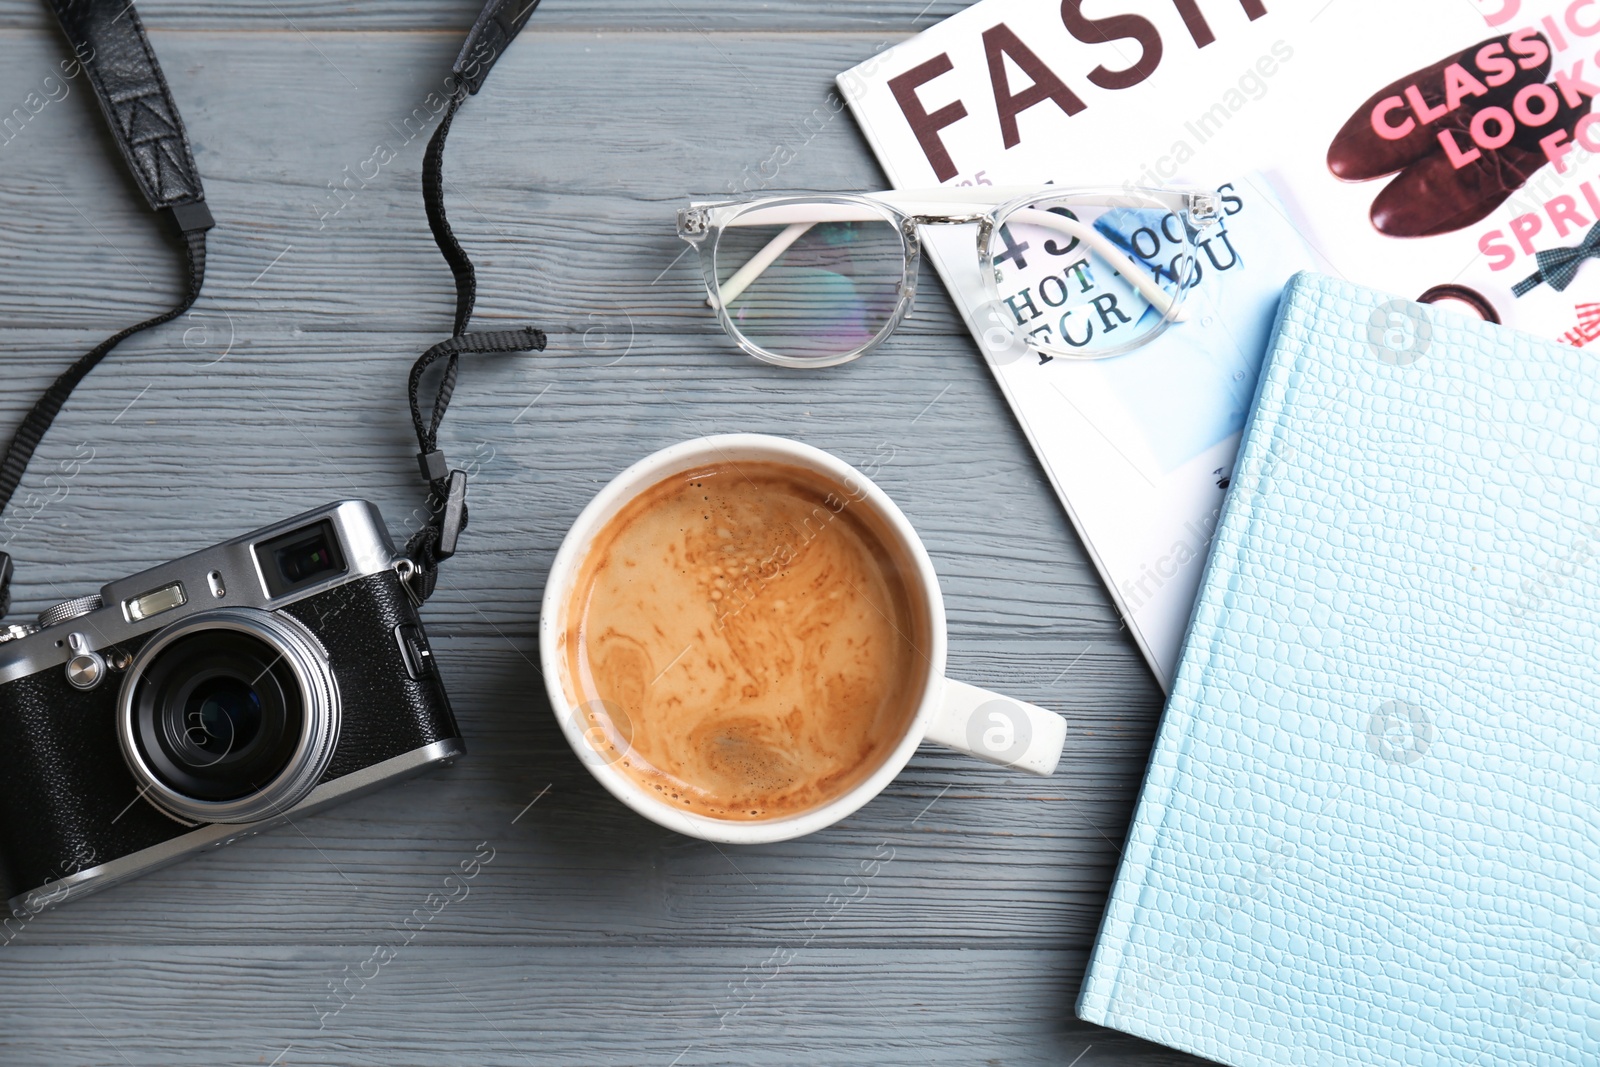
(134,95)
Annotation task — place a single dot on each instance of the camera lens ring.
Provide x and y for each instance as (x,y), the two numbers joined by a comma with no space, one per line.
(318,717)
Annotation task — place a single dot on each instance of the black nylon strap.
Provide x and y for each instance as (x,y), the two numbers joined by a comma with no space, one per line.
(500,21)
(526,339)
(144,121)
(439,223)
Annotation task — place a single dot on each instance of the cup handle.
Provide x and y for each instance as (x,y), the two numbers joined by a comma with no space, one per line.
(998,729)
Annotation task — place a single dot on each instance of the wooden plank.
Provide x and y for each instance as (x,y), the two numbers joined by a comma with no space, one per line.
(454,16)
(548,431)
(309,200)
(689,1006)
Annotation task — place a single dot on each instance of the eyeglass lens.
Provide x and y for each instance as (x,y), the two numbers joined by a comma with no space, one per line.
(832,288)
(1083,278)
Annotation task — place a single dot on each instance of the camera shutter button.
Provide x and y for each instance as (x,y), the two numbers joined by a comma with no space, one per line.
(85,669)
(68,610)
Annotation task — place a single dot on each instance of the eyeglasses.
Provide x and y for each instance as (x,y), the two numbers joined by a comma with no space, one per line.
(815,281)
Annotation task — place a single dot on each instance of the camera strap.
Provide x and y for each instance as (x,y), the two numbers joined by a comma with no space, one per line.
(496,27)
(109,40)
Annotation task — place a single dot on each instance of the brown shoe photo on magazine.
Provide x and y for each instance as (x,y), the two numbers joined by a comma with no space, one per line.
(1479,100)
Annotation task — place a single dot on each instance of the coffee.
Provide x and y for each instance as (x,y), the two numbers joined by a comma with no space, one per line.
(746,640)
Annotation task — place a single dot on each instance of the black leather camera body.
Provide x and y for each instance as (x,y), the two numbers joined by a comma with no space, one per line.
(210,698)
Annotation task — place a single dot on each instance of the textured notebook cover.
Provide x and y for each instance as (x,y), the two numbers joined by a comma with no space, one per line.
(1370,829)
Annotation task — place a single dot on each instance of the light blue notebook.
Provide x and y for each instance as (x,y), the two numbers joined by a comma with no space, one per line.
(1370,829)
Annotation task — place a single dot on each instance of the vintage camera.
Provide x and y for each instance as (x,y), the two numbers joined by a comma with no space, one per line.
(210,698)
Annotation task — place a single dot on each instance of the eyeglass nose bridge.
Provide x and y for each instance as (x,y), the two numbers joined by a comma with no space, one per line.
(984,219)
(950,220)
(908,227)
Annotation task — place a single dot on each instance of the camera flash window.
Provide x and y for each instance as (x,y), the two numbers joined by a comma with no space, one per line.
(154,602)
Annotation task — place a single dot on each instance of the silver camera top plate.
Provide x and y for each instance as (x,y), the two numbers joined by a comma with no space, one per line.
(225,575)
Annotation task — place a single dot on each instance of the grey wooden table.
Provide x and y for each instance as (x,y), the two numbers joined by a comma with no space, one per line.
(592,936)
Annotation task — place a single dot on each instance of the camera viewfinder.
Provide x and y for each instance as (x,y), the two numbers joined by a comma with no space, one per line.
(300,558)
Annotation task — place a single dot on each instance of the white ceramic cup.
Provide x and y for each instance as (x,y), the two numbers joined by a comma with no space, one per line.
(954,714)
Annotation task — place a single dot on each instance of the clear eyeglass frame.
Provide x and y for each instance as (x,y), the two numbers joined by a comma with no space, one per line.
(703,225)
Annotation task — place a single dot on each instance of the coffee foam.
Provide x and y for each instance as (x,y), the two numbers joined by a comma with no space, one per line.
(746,640)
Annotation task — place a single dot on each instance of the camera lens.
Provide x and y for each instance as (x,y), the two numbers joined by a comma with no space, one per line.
(222,715)
(218,714)
(229,716)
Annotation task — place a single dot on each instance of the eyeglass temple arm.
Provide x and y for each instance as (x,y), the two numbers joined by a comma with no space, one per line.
(801,217)
(734,287)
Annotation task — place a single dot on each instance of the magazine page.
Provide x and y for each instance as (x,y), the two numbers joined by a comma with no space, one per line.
(1140,447)
(1432,148)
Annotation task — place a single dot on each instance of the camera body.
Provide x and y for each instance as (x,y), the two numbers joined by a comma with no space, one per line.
(210,698)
